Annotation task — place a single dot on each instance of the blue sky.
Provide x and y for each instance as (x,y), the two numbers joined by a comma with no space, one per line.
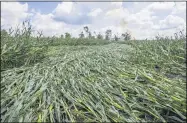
(141,19)
(43,7)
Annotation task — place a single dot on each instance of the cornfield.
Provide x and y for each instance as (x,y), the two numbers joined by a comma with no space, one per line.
(60,80)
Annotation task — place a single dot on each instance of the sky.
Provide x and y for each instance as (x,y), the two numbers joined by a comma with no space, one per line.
(141,19)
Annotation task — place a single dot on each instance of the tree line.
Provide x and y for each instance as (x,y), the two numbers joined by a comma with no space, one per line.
(86,31)
(107,36)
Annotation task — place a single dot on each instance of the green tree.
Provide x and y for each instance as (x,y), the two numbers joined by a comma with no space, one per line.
(99,36)
(108,34)
(86,29)
(116,38)
(81,35)
(67,35)
(62,36)
(126,36)
(90,35)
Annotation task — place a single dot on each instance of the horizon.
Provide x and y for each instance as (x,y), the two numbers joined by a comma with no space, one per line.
(142,19)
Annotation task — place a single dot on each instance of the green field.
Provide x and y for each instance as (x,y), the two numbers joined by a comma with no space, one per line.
(91,80)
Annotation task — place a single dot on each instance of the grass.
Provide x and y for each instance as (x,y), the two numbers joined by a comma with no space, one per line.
(135,81)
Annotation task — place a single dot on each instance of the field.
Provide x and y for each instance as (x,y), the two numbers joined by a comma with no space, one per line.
(92,80)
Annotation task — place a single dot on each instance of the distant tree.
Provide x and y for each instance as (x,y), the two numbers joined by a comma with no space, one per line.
(116,38)
(94,34)
(90,35)
(176,35)
(81,35)
(86,29)
(67,35)
(126,36)
(108,34)
(99,36)
(62,36)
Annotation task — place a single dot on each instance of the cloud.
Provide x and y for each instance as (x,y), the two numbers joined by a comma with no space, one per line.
(12,17)
(50,27)
(171,22)
(75,20)
(70,13)
(95,12)
(45,23)
(64,7)
(179,9)
(160,6)
(143,20)
(118,12)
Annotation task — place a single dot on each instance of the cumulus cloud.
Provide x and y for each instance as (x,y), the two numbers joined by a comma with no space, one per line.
(161,6)
(95,12)
(171,22)
(65,7)
(143,20)
(71,13)
(12,17)
(179,9)
(46,24)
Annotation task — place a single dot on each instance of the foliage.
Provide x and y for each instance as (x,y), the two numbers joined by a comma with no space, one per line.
(67,35)
(81,35)
(90,35)
(86,29)
(18,50)
(126,36)
(4,34)
(99,36)
(62,36)
(163,53)
(116,38)
(108,34)
(92,80)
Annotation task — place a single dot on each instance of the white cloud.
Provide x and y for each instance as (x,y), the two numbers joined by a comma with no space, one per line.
(137,6)
(143,15)
(95,12)
(171,22)
(50,27)
(161,6)
(116,4)
(12,17)
(143,20)
(64,7)
(120,12)
(179,9)
(46,24)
